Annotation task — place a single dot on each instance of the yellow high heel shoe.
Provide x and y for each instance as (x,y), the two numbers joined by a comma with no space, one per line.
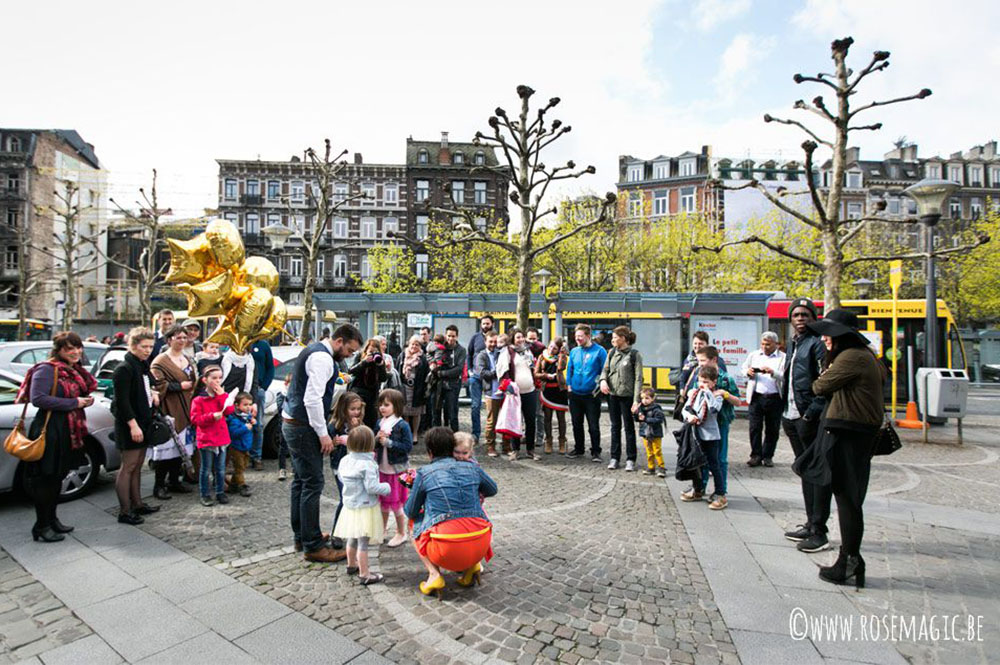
(471,576)
(434,587)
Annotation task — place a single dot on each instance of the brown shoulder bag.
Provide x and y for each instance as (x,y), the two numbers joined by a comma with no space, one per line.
(17,442)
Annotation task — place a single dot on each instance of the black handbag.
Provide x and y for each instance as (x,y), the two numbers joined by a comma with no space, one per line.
(158,431)
(887,442)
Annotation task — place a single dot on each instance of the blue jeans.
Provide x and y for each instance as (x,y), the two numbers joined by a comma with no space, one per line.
(723,460)
(258,429)
(476,397)
(307,485)
(711,450)
(213,460)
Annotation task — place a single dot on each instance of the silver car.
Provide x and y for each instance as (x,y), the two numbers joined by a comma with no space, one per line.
(99,448)
(18,357)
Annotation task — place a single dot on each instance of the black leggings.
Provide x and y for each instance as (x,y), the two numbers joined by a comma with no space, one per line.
(529,411)
(44,492)
(127,482)
(850,466)
(167,472)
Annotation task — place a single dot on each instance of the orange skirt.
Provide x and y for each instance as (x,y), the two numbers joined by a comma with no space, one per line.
(457,544)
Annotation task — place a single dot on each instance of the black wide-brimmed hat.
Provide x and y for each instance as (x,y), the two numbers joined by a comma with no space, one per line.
(838,322)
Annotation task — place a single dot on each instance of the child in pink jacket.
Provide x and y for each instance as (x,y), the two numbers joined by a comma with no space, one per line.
(208,416)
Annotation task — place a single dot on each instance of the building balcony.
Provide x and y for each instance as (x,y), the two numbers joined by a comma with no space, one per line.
(11,193)
(251,199)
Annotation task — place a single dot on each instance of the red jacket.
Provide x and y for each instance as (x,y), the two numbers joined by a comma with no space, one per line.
(211,432)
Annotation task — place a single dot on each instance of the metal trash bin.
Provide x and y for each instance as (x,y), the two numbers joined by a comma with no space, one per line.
(942,393)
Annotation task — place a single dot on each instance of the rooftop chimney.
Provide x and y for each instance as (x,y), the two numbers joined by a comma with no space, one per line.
(990,150)
(444,140)
(357,158)
(853,154)
(444,154)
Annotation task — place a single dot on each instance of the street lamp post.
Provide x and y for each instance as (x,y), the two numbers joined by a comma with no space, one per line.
(930,195)
(543,277)
(863,287)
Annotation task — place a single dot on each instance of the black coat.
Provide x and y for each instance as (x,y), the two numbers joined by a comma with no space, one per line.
(808,352)
(130,400)
(690,456)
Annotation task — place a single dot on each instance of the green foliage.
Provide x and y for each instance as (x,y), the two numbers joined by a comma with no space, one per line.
(469,267)
(392,270)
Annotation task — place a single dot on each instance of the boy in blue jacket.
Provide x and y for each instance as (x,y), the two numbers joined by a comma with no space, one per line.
(240,423)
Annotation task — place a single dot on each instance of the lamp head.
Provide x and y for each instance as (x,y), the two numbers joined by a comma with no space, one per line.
(931,195)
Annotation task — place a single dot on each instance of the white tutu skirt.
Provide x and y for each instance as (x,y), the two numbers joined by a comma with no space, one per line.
(360,523)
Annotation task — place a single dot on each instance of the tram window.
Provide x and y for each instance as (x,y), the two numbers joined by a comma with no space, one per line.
(659,340)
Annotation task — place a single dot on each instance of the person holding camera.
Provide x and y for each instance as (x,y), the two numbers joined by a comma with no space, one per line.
(369,373)
(762,367)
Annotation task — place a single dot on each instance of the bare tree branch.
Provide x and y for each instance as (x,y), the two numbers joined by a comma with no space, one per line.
(779,249)
(920,95)
(781,121)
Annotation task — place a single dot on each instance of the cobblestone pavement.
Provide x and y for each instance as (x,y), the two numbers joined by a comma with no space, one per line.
(32,620)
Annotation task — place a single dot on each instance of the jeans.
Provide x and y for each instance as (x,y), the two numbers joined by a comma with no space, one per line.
(282,448)
(620,411)
(529,411)
(307,485)
(801,434)
(213,460)
(722,480)
(764,414)
(590,406)
(711,450)
(257,448)
(449,407)
(476,400)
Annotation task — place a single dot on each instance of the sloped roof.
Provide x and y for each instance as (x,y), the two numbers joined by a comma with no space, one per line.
(433,148)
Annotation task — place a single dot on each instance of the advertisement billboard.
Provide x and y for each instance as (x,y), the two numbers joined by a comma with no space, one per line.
(734,337)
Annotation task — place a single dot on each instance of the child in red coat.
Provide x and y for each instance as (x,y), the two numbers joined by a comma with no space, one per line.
(208,416)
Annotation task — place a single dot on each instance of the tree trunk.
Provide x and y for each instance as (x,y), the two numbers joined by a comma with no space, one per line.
(833,269)
(23,278)
(524,264)
(309,288)
(833,266)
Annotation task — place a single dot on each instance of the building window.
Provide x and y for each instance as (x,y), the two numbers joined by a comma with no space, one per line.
(976,207)
(298,191)
(368,194)
(253,223)
(976,176)
(423,190)
(11,217)
(660,202)
(367,228)
(458,158)
(421,264)
(479,159)
(933,171)
(458,191)
(366,268)
(14,144)
(321,267)
(893,206)
(233,218)
(480,224)
(689,167)
(273,218)
(296,266)
(339,192)
(853,180)
(390,225)
(635,173)
(955,207)
(635,205)
(480,193)
(273,190)
(340,227)
(687,199)
(230,189)
(661,170)
(253,188)
(854,210)
(421,227)
(11,259)
(995,177)
(340,266)
(14,183)
(422,157)
(390,194)
(298,223)
(955,174)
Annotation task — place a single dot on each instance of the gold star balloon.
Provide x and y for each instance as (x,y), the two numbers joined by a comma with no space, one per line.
(218,281)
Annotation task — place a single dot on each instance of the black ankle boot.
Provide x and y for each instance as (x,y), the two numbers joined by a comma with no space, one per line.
(844,568)
(46,534)
(59,527)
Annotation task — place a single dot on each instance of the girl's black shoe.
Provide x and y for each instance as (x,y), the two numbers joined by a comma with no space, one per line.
(130,518)
(59,527)
(47,535)
(146,509)
(844,568)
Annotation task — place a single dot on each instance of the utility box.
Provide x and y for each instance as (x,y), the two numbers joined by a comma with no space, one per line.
(942,393)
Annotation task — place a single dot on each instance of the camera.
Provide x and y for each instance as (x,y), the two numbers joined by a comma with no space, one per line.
(378,359)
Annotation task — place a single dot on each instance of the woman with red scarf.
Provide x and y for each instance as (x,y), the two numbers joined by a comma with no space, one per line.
(59,387)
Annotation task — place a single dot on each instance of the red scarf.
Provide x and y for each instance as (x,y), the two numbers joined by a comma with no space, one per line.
(75,382)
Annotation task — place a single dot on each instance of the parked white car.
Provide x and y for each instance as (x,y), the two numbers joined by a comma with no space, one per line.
(18,357)
(99,448)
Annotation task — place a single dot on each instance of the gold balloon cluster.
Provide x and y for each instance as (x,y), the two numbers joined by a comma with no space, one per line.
(218,282)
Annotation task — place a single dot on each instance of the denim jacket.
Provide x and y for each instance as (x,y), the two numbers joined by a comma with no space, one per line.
(359,474)
(447,489)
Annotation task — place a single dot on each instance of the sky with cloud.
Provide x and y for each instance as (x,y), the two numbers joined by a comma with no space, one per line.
(177,85)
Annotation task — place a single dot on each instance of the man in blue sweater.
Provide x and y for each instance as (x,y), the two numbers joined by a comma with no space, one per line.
(263,363)
(586,361)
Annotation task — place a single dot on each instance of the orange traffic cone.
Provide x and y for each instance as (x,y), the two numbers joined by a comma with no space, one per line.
(912,420)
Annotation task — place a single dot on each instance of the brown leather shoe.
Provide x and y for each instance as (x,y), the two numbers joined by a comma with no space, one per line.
(325,555)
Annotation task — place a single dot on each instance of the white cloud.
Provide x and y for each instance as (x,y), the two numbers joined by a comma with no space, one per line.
(707,14)
(739,64)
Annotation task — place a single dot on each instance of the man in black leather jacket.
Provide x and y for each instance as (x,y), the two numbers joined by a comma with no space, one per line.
(802,411)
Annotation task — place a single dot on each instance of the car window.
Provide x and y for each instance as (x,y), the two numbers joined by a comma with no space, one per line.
(29,356)
(282,370)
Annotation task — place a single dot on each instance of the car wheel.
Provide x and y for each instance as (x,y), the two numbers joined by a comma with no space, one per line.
(271,434)
(80,479)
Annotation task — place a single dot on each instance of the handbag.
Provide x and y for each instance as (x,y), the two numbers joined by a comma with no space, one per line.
(158,431)
(17,442)
(887,442)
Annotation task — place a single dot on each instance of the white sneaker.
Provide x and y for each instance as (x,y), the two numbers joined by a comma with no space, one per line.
(613,465)
(629,465)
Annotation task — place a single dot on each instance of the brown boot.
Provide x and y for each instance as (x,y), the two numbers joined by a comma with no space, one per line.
(548,446)
(506,446)
(325,555)
(562,445)
(491,449)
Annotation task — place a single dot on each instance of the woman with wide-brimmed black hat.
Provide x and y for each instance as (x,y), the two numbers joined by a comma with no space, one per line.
(852,382)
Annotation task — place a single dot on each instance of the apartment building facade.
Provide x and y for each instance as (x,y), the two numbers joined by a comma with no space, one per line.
(665,186)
